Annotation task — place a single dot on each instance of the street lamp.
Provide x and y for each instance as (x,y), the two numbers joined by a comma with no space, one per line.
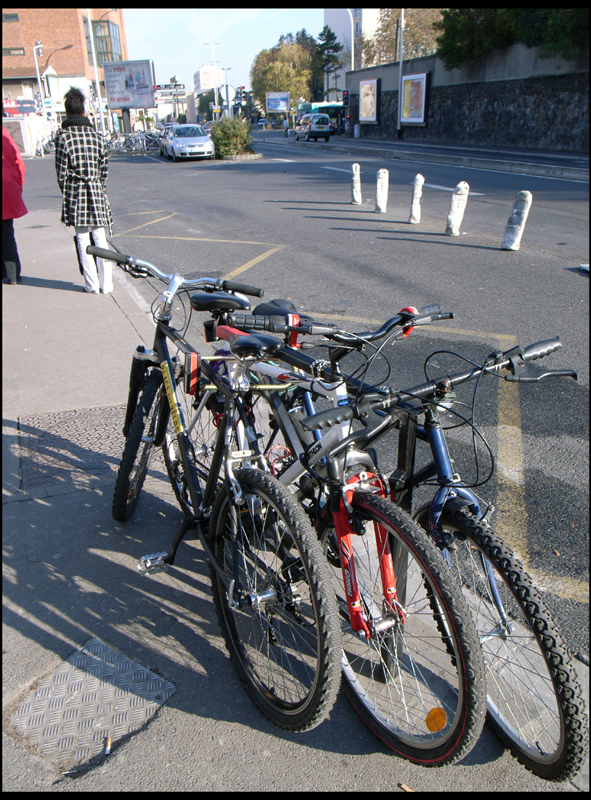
(352,40)
(215,88)
(226,70)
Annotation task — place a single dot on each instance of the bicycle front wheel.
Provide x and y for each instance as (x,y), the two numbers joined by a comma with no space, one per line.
(139,447)
(534,697)
(283,633)
(418,680)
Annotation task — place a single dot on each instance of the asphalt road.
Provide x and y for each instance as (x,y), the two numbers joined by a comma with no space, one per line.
(286,223)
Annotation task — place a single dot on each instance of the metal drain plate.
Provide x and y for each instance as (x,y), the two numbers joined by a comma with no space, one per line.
(96,693)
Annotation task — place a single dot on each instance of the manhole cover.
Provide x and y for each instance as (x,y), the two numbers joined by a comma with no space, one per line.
(95,694)
(70,449)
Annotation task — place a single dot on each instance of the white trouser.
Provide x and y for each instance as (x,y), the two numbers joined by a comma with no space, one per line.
(93,281)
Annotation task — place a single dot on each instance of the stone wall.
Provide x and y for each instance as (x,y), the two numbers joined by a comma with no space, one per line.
(549,112)
(510,97)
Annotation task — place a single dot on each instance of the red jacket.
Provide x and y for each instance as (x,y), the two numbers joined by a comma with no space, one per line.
(13,178)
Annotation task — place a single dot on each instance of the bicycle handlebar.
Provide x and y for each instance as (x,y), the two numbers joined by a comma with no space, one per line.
(515,359)
(138,268)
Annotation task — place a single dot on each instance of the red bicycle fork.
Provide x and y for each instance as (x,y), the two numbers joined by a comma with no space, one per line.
(365,627)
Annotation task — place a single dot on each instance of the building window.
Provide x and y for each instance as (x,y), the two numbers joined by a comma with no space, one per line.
(9,17)
(13,51)
(107,43)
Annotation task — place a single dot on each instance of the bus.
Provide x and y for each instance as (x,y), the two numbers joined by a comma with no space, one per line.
(333,109)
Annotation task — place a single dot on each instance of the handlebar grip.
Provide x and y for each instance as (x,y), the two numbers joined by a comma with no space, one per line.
(243,288)
(434,308)
(109,255)
(325,419)
(541,349)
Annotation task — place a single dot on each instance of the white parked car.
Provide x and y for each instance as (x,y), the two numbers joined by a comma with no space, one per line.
(187,141)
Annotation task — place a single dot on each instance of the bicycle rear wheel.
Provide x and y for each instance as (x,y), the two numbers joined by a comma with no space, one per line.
(534,697)
(139,447)
(283,638)
(417,682)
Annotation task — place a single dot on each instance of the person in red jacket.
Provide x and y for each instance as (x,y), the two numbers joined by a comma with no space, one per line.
(13,179)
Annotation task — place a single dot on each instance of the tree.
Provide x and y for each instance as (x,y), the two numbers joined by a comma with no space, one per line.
(287,67)
(204,101)
(420,35)
(327,50)
(467,34)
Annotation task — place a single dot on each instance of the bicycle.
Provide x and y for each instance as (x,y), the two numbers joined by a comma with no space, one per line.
(269,578)
(411,660)
(534,698)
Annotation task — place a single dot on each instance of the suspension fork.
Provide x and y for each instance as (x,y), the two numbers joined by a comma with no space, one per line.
(342,511)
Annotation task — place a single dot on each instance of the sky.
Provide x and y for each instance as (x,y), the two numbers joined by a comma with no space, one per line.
(173,37)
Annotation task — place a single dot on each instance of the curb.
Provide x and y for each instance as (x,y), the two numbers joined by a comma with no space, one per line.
(246,157)
(517,167)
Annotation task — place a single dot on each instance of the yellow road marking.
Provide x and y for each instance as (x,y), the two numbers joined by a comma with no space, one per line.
(254,261)
(145,224)
(199,238)
(139,213)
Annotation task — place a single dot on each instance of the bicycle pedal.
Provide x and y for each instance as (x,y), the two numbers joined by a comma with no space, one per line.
(149,565)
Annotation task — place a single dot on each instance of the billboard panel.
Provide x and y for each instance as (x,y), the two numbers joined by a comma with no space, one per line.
(414,98)
(129,84)
(368,101)
(207,77)
(277,102)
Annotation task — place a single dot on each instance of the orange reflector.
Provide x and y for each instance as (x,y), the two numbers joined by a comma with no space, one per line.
(436,720)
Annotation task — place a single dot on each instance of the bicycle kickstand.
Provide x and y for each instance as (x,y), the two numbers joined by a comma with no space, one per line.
(159,562)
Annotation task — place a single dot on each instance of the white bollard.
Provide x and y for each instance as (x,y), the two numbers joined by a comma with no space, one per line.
(355,184)
(415,206)
(457,208)
(516,224)
(382,191)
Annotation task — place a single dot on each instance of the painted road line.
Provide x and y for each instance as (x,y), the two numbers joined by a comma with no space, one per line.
(254,261)
(450,189)
(511,519)
(145,224)
(284,160)
(201,239)
(337,169)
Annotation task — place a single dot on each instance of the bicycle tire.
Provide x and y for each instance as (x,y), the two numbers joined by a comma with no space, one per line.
(420,684)
(136,459)
(285,649)
(534,698)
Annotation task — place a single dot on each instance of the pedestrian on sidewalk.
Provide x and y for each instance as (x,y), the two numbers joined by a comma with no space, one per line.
(81,164)
(13,207)
(286,127)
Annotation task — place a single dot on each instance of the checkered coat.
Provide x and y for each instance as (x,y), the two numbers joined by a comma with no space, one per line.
(82,166)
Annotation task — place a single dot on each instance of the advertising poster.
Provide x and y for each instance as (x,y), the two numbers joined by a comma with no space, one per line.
(129,84)
(414,98)
(277,102)
(368,101)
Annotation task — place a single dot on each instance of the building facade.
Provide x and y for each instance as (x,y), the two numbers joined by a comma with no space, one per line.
(359,21)
(58,40)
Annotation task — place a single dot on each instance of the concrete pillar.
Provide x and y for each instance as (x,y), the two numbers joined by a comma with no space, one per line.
(415,206)
(516,224)
(457,208)
(355,184)
(383,178)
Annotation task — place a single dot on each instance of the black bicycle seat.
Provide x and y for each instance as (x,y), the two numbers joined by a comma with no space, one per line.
(218,301)
(274,308)
(254,344)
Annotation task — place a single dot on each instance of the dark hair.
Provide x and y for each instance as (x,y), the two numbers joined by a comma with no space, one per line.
(74,102)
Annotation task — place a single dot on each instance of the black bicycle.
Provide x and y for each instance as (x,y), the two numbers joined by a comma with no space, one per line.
(269,577)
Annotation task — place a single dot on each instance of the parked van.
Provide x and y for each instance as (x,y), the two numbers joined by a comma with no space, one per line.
(313,126)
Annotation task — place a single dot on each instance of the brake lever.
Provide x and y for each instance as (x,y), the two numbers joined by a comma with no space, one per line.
(526,376)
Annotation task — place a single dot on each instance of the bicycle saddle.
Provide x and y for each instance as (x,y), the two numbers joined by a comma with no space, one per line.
(248,344)
(272,308)
(218,301)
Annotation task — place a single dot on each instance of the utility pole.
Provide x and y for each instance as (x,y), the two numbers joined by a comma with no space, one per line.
(399,128)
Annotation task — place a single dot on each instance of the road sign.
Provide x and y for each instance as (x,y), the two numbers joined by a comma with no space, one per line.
(169,86)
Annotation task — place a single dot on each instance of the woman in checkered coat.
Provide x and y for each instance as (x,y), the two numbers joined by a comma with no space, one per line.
(82,167)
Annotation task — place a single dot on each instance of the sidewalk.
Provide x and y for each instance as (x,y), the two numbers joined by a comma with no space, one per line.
(545,163)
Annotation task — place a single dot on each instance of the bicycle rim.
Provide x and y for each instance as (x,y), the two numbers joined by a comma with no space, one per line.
(534,698)
(409,683)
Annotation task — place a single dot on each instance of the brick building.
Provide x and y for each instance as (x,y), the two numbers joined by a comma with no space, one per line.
(65,58)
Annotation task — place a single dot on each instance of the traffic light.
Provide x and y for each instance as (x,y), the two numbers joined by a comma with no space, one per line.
(345,98)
